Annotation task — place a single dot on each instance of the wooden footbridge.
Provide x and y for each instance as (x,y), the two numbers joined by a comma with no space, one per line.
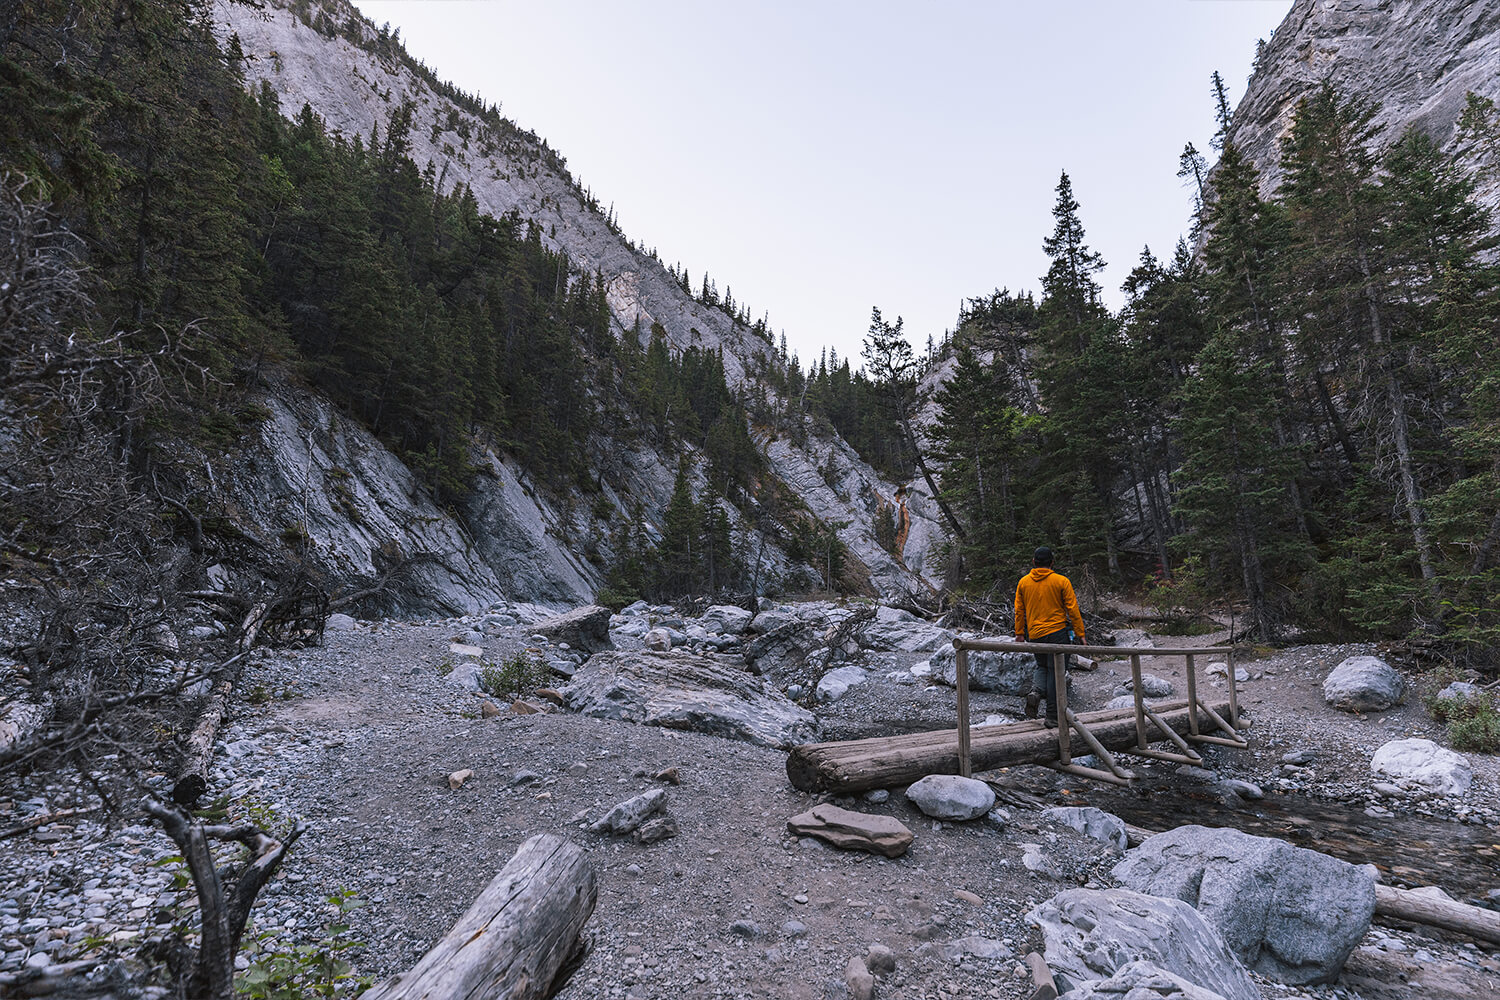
(879,762)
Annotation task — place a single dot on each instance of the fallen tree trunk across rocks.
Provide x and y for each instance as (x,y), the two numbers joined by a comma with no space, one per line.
(514,939)
(887,761)
(1448,914)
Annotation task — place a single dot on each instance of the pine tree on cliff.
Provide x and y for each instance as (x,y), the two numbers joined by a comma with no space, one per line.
(1350,316)
(680,557)
(1080,357)
(893,369)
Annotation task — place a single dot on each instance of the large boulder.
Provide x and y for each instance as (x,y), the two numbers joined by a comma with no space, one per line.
(1141,981)
(949,797)
(1291,914)
(1003,673)
(782,652)
(854,831)
(584,628)
(895,630)
(1092,934)
(1091,821)
(726,619)
(1422,765)
(1364,684)
(679,690)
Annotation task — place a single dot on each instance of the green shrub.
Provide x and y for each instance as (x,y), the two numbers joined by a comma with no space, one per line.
(305,970)
(1476,727)
(1473,723)
(514,678)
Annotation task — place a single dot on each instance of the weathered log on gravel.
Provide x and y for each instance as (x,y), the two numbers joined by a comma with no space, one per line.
(513,940)
(192,779)
(886,761)
(1450,915)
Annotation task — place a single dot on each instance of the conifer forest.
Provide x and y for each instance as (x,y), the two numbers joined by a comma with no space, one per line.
(1297,409)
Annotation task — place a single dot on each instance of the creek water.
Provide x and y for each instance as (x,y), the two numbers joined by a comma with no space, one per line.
(1411,851)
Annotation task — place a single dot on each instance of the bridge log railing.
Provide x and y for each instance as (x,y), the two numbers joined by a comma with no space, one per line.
(1224,731)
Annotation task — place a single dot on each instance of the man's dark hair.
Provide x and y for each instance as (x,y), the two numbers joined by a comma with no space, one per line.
(1042,556)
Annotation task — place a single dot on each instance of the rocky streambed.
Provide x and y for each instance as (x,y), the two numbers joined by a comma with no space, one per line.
(359,737)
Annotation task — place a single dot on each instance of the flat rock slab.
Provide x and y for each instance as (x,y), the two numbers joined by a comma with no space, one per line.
(1092,934)
(680,690)
(1291,914)
(1002,673)
(854,831)
(1139,980)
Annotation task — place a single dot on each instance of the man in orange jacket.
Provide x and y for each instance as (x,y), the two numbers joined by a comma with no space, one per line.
(1045,603)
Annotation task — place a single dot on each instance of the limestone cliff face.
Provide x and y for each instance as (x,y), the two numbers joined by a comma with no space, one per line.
(1417,58)
(354,91)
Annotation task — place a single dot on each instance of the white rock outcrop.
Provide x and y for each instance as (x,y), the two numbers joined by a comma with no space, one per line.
(1288,913)
(1422,765)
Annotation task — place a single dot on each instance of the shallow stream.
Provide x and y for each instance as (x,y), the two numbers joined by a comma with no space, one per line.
(1463,859)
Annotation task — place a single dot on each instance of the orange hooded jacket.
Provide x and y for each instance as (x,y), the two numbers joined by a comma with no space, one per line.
(1044,603)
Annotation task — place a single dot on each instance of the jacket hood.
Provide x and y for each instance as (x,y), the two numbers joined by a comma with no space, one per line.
(1041,573)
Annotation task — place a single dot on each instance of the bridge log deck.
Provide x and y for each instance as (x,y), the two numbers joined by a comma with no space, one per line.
(885,761)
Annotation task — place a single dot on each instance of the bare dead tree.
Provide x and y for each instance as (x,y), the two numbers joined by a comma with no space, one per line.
(225,894)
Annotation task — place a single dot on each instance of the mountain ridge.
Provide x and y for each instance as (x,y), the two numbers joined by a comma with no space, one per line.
(354,91)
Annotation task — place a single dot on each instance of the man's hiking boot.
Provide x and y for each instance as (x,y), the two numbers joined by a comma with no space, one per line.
(1050,723)
(1033,702)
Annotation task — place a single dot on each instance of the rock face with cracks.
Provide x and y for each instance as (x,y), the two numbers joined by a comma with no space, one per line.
(678,690)
(1288,913)
(1418,59)
(1092,934)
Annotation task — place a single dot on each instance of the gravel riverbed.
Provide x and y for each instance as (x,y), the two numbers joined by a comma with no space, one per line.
(358,736)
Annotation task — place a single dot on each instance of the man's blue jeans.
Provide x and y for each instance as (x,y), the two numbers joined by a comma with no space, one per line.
(1043,679)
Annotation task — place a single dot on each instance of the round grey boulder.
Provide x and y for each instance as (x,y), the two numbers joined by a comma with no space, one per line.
(949,797)
(1364,684)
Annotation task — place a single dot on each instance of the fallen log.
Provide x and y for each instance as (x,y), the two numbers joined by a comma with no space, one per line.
(192,778)
(885,761)
(1433,911)
(1410,907)
(516,936)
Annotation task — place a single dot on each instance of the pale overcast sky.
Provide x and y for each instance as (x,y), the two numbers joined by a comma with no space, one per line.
(820,158)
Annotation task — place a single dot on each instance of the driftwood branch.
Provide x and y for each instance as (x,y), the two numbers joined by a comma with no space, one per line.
(515,938)
(224,915)
(43,820)
(384,581)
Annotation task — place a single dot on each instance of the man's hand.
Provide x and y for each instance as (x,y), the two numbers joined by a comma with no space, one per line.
(1078,641)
